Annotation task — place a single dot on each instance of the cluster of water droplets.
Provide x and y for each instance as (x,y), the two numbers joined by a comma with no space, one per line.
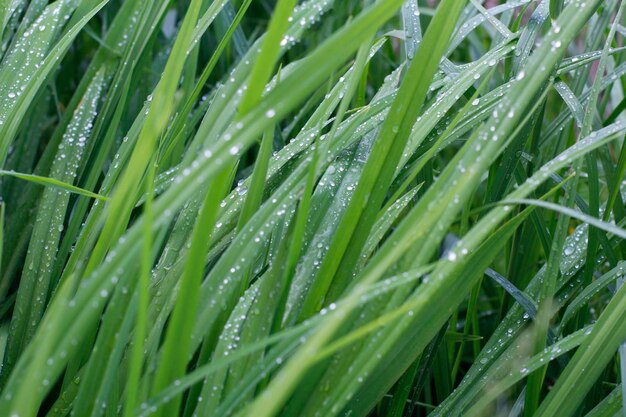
(30,51)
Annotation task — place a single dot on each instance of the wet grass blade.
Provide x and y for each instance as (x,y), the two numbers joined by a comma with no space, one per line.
(54,183)
(37,279)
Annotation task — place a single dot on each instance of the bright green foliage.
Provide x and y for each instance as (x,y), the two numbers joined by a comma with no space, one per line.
(281,208)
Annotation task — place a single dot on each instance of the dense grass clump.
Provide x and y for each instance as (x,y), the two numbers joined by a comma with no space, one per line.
(282,208)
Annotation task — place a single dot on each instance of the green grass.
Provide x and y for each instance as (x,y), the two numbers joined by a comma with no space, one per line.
(312,208)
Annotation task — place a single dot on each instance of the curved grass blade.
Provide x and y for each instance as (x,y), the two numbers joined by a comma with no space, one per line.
(54,183)
(13,108)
